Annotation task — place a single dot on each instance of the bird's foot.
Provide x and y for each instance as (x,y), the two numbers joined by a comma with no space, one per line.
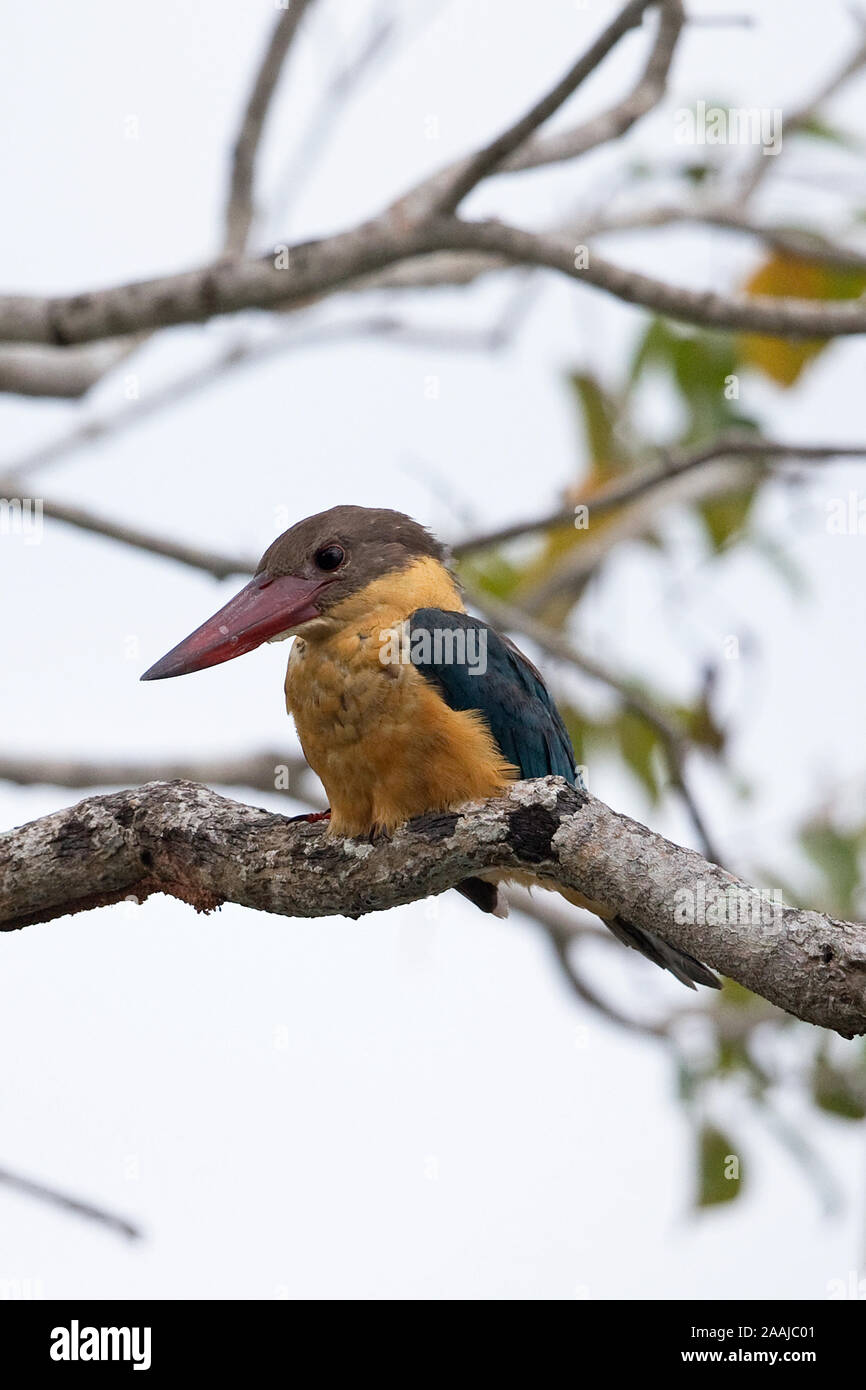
(312,816)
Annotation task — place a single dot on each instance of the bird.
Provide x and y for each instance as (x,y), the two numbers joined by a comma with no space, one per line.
(403,702)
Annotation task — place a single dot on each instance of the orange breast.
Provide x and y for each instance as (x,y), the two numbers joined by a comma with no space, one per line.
(380,737)
(383,742)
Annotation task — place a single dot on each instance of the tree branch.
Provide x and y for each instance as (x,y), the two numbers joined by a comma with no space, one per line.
(208,561)
(445,192)
(185,840)
(609,125)
(332,98)
(258,771)
(318,268)
(30,1188)
(249,352)
(71,373)
(633,486)
(67,373)
(239,212)
(390,252)
(781,317)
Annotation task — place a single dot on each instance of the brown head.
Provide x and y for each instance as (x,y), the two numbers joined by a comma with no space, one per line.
(305,573)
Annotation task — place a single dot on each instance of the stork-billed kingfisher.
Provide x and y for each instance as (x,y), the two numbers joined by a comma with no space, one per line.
(403,702)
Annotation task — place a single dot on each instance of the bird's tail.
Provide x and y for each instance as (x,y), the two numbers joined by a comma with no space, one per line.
(686,968)
(486,894)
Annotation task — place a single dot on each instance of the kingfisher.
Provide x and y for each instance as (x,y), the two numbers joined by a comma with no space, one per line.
(403,702)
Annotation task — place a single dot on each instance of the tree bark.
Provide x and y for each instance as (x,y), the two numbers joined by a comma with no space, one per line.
(182,839)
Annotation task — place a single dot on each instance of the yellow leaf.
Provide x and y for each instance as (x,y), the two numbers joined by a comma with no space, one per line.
(788,276)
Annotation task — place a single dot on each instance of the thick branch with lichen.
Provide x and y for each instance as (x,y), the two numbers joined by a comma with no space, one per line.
(182,839)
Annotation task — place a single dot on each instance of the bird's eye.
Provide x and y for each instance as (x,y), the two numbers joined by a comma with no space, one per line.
(330,557)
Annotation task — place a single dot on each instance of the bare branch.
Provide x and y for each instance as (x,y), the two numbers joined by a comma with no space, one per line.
(812,246)
(186,841)
(221,287)
(760,168)
(445,192)
(635,485)
(239,212)
(333,96)
(211,562)
(574,569)
(614,123)
(258,771)
(317,268)
(450,268)
(67,373)
(245,353)
(71,373)
(32,328)
(119,1224)
(781,317)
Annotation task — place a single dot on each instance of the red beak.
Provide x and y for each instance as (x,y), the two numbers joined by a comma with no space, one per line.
(264,608)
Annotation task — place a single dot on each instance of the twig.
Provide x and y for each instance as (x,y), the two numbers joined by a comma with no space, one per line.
(30,1188)
(244,354)
(447,190)
(258,771)
(208,561)
(239,210)
(635,485)
(332,98)
(71,373)
(615,122)
(759,168)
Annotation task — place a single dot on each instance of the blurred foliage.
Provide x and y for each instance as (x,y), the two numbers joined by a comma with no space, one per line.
(747,1039)
(745,1046)
(703,371)
(781,359)
(719,1175)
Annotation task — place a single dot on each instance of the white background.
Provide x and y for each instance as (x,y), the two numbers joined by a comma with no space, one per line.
(414,1104)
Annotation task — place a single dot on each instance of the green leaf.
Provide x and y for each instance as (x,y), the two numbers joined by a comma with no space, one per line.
(735,994)
(702,368)
(599,415)
(701,726)
(839,1091)
(491,573)
(719,1168)
(638,742)
(724,517)
(577,728)
(837,856)
(696,173)
(654,349)
(819,129)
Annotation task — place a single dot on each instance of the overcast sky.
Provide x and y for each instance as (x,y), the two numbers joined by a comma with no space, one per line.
(414,1104)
